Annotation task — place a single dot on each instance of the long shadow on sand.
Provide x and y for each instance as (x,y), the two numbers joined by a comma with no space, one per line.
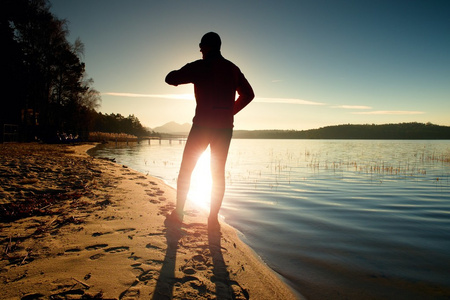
(207,246)
(166,279)
(221,276)
(225,287)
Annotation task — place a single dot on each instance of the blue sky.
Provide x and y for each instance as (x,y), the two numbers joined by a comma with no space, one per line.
(311,63)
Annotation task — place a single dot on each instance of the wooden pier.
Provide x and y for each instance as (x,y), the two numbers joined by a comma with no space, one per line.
(148,139)
(180,139)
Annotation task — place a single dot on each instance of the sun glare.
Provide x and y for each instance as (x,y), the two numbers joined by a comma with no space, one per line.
(200,190)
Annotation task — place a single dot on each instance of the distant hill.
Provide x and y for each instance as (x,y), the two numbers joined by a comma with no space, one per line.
(174,128)
(386,131)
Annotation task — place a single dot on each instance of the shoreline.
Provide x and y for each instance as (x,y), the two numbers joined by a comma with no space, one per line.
(104,235)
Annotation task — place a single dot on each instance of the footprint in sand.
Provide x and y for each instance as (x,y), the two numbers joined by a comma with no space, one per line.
(117,249)
(200,262)
(238,291)
(196,263)
(158,191)
(32,296)
(149,246)
(156,234)
(96,247)
(125,230)
(96,256)
(150,193)
(198,285)
(189,271)
(147,275)
(73,250)
(96,234)
(131,293)
(137,270)
(166,209)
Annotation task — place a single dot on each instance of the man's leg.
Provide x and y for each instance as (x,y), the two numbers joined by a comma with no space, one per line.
(196,144)
(220,144)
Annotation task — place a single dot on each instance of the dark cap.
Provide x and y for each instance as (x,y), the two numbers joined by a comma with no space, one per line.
(212,40)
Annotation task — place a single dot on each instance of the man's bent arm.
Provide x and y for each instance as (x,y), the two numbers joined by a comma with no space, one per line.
(180,76)
(246,95)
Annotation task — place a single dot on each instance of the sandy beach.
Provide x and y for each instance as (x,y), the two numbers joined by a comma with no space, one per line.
(76,227)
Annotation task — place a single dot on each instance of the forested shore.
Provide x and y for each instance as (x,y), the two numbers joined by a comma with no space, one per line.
(385,131)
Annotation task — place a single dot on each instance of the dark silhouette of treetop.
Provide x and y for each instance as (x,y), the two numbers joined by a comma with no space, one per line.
(46,88)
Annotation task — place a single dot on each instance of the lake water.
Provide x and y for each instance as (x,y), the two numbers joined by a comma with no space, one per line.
(337,219)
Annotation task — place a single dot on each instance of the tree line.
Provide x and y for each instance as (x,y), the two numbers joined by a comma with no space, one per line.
(116,123)
(45,88)
(400,131)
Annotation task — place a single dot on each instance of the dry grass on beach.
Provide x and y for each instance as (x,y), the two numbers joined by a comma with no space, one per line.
(75,227)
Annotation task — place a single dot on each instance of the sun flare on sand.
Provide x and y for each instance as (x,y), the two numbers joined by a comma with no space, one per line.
(200,189)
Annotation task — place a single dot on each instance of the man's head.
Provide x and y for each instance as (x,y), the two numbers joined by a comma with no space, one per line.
(210,42)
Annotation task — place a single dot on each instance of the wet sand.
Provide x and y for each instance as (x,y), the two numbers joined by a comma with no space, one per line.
(76,227)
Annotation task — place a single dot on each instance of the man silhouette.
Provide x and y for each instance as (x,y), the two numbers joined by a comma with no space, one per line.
(216,82)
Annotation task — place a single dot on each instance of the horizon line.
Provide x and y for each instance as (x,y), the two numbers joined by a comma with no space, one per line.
(342,124)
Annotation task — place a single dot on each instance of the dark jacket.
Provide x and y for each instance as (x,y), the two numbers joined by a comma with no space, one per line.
(216,81)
